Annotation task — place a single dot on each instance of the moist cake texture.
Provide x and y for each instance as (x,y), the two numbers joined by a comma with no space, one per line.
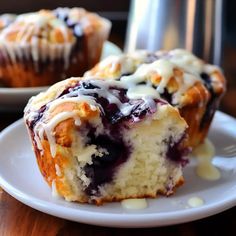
(95,143)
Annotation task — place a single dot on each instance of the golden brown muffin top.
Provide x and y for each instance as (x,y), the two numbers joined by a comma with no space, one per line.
(40,26)
(80,19)
(177,74)
(62,25)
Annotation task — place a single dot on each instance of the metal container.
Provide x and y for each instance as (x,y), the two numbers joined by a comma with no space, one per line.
(166,24)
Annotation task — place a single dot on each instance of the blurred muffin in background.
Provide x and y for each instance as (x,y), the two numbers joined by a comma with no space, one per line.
(41,48)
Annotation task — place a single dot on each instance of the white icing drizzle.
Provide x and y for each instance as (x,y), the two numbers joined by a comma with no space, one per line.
(141,91)
(188,81)
(211,68)
(77,14)
(82,98)
(186,60)
(47,125)
(35,52)
(195,202)
(127,63)
(33,18)
(111,61)
(134,204)
(138,86)
(55,193)
(204,154)
(164,69)
(48,129)
(58,170)
(163,66)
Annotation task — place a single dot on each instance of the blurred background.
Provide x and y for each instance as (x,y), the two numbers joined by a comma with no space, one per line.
(118,12)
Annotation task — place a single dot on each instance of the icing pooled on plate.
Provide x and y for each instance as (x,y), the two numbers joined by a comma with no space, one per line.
(134,204)
(195,202)
(204,154)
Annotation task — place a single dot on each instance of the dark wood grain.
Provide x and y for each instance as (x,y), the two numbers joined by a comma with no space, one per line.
(18,219)
(21,220)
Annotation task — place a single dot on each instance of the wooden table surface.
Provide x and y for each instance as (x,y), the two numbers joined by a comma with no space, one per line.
(19,219)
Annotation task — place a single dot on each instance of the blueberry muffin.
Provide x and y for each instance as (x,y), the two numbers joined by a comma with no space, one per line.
(41,48)
(104,140)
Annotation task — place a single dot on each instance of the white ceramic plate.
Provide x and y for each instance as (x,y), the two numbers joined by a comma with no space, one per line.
(16,98)
(20,177)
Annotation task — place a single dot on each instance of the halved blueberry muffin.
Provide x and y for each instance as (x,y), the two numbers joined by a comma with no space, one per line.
(106,140)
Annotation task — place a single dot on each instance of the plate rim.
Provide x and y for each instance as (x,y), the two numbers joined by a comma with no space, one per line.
(130,220)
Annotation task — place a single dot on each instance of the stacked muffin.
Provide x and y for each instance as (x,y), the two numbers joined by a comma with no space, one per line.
(44,47)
